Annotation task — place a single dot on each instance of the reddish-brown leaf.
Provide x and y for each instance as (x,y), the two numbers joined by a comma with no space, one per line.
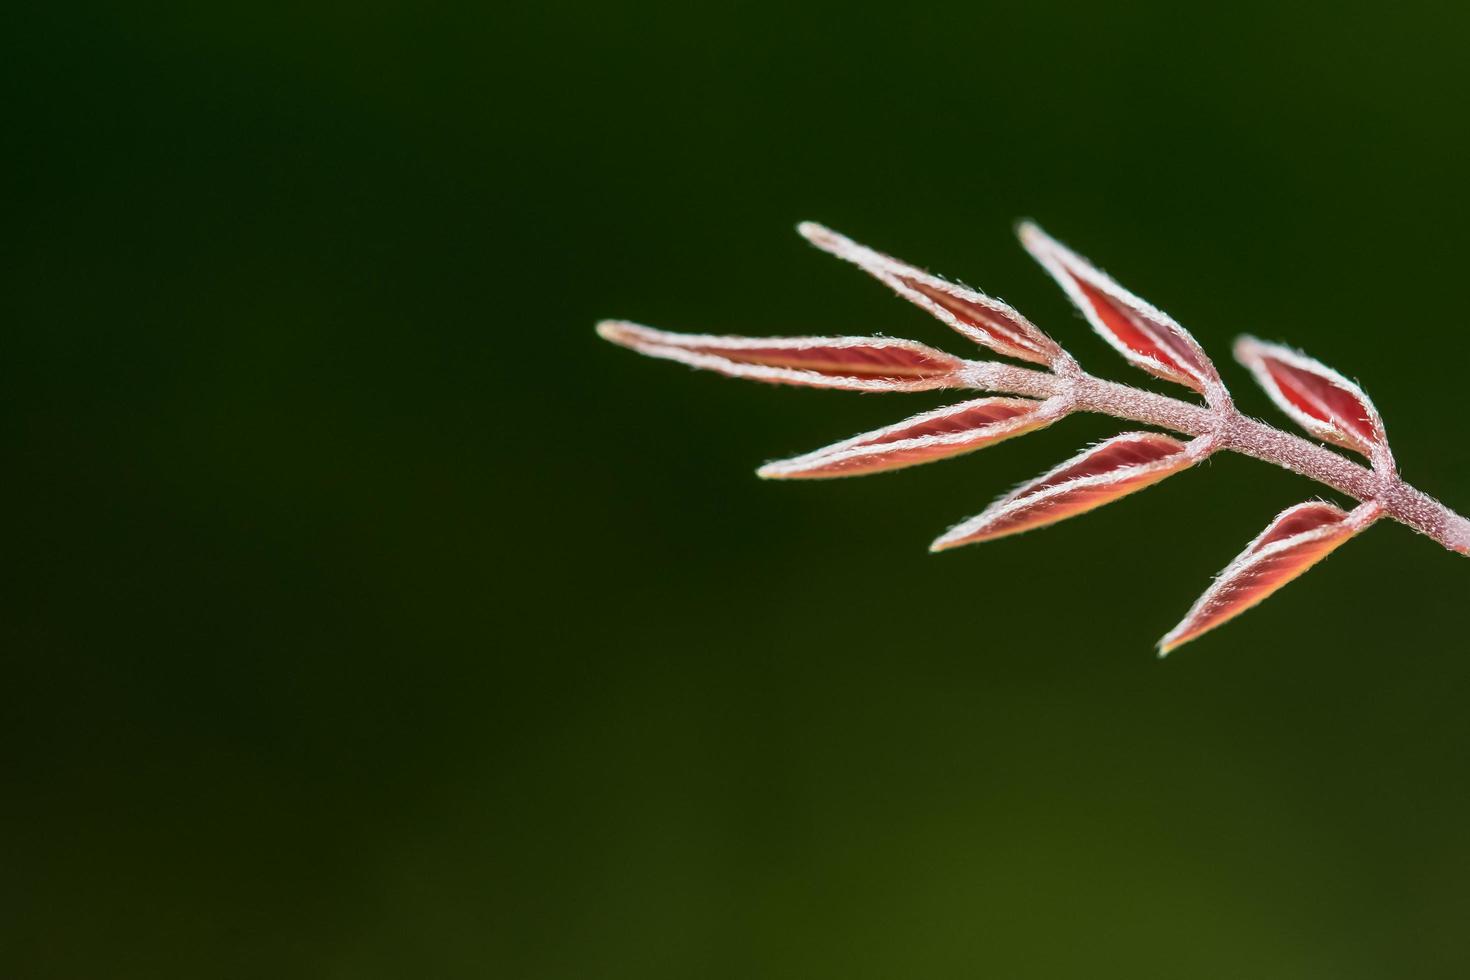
(925,438)
(850,363)
(1317,398)
(1147,337)
(1296,540)
(1112,469)
(984,320)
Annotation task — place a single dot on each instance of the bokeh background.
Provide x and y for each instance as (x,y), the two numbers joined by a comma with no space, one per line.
(365,616)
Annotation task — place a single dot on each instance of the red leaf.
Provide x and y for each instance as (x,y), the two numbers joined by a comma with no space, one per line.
(1147,337)
(1296,540)
(946,432)
(1112,469)
(850,363)
(986,321)
(1317,398)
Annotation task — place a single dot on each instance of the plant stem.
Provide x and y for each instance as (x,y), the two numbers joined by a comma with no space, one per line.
(1237,433)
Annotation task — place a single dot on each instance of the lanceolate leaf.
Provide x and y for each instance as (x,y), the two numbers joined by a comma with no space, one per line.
(1110,470)
(1316,397)
(1296,540)
(1147,337)
(986,321)
(936,435)
(850,363)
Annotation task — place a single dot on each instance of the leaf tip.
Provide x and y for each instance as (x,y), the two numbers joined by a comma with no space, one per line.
(1030,233)
(618,332)
(944,542)
(821,236)
(1246,347)
(770,471)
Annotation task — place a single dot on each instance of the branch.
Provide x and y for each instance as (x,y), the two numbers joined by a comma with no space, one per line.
(1321,401)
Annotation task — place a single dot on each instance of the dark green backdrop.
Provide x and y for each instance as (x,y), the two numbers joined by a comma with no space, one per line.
(365,616)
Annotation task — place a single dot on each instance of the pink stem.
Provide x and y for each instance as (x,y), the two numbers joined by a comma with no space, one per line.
(1237,433)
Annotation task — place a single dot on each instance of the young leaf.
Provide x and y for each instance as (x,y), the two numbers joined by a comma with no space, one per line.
(1147,337)
(849,363)
(1317,398)
(986,321)
(940,434)
(1102,474)
(1296,540)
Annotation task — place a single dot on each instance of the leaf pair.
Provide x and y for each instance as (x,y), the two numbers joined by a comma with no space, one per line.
(1333,409)
(1145,336)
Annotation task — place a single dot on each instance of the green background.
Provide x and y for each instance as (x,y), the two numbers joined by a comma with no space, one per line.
(366,616)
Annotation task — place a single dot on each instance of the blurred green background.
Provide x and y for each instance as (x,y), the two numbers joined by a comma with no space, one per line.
(365,616)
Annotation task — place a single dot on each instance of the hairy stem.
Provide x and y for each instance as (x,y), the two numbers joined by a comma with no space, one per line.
(1237,433)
